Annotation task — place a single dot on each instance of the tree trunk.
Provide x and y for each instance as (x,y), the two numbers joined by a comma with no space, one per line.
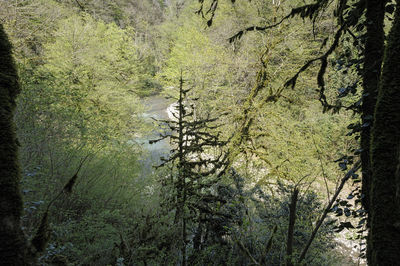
(373,56)
(292,221)
(13,246)
(384,235)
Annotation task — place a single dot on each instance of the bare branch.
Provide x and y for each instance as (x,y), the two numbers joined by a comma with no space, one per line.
(356,167)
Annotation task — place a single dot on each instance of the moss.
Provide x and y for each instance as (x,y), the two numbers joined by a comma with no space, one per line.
(373,55)
(384,236)
(12,241)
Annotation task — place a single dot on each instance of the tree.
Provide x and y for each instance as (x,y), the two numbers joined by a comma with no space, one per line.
(93,67)
(13,245)
(86,78)
(378,107)
(199,161)
(67,94)
(384,190)
(373,56)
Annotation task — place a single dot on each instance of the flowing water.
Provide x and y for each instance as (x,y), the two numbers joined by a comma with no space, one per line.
(156,108)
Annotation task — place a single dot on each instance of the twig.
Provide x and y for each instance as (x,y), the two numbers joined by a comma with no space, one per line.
(80,5)
(322,168)
(356,167)
(247,252)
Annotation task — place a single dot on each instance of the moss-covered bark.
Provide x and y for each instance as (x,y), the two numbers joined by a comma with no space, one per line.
(12,241)
(373,56)
(384,236)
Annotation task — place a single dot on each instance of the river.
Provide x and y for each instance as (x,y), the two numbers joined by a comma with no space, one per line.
(155,107)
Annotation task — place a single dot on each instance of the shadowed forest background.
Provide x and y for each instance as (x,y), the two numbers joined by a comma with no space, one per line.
(219,132)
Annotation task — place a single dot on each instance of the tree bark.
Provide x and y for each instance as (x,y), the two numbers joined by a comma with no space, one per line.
(13,245)
(384,236)
(373,56)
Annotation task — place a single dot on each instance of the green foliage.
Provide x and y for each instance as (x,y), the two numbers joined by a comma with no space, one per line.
(105,202)
(90,240)
(202,61)
(92,71)
(248,218)
(302,154)
(85,69)
(80,81)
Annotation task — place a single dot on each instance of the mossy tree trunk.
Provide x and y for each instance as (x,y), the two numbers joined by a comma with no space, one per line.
(373,56)
(13,247)
(384,235)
